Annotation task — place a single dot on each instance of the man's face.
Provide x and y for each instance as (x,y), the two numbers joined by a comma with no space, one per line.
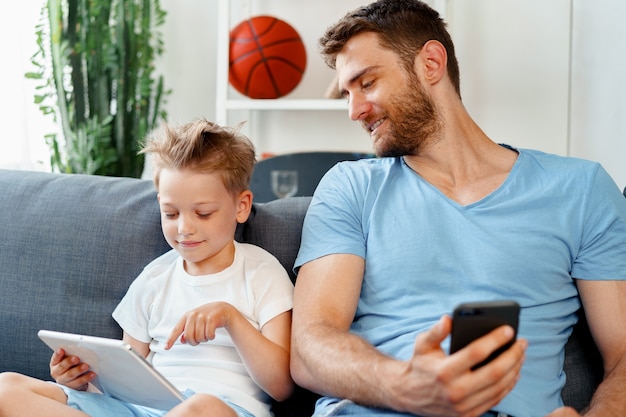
(388,101)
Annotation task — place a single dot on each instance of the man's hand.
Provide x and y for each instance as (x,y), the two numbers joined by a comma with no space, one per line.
(68,370)
(447,385)
(564,412)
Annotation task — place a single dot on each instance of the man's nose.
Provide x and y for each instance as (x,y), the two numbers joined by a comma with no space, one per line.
(358,107)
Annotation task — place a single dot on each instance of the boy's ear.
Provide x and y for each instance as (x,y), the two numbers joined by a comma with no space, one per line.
(244,206)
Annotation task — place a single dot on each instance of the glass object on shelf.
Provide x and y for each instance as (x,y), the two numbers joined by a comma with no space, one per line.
(284,183)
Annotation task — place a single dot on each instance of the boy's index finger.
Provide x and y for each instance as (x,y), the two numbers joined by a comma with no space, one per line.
(177,332)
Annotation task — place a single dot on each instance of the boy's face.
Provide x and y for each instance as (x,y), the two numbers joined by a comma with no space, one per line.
(199,217)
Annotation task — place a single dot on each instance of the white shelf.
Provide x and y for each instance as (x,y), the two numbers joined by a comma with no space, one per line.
(286,104)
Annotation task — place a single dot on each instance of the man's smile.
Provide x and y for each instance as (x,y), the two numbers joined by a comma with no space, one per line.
(374,125)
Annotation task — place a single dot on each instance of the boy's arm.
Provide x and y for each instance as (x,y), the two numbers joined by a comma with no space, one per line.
(265,354)
(140,347)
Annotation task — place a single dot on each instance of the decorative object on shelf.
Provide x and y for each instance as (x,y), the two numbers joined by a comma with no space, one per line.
(332,91)
(95,60)
(295,174)
(267,58)
(284,183)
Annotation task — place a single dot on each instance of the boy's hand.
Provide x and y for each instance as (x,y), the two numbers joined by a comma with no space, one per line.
(68,370)
(199,325)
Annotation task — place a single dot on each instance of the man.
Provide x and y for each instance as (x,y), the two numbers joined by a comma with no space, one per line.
(391,245)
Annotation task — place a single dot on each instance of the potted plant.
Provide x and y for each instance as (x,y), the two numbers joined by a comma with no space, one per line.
(95,62)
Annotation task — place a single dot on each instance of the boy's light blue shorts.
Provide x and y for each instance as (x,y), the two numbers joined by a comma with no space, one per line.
(98,405)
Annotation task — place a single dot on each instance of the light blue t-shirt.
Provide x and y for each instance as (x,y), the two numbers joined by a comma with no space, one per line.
(553,218)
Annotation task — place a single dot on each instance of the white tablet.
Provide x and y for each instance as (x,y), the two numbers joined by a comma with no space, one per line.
(121,372)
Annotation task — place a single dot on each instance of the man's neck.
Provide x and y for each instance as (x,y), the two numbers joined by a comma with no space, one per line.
(464,164)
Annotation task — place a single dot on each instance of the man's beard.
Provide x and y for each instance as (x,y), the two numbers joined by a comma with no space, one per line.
(413,122)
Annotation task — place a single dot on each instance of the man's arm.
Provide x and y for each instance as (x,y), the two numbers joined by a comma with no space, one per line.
(325,300)
(327,359)
(605,308)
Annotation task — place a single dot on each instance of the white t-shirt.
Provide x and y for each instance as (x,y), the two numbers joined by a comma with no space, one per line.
(256,284)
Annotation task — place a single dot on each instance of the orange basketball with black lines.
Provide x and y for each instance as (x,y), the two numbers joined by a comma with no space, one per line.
(267,57)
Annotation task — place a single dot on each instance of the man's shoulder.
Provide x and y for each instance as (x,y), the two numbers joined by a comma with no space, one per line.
(558,167)
(362,171)
(552,159)
(556,176)
(367,164)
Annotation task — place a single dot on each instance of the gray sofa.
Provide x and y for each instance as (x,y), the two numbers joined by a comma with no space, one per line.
(71,245)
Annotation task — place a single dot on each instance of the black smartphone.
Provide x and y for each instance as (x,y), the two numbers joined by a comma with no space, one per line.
(473,320)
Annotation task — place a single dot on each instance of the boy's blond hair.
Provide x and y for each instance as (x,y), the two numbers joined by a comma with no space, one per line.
(204,147)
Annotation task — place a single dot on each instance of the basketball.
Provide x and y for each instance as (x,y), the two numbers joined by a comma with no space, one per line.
(267,58)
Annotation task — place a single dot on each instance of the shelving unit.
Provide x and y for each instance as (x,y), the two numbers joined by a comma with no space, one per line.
(286,104)
(224,103)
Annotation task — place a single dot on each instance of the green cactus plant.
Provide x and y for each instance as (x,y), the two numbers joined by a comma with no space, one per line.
(95,63)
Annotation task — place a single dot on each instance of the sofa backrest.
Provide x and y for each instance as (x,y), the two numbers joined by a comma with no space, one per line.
(276,226)
(71,245)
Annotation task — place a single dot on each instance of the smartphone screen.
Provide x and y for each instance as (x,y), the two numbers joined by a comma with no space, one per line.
(473,320)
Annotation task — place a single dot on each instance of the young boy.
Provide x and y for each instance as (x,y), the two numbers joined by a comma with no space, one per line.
(213,314)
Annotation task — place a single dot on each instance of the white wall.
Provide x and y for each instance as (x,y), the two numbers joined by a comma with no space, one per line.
(519,79)
(23,125)
(598,109)
(514,63)
(188,63)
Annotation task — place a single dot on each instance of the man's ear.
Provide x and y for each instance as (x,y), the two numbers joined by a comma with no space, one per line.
(244,205)
(431,62)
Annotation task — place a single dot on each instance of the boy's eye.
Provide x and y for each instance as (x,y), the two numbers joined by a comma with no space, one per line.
(169,215)
(204,215)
